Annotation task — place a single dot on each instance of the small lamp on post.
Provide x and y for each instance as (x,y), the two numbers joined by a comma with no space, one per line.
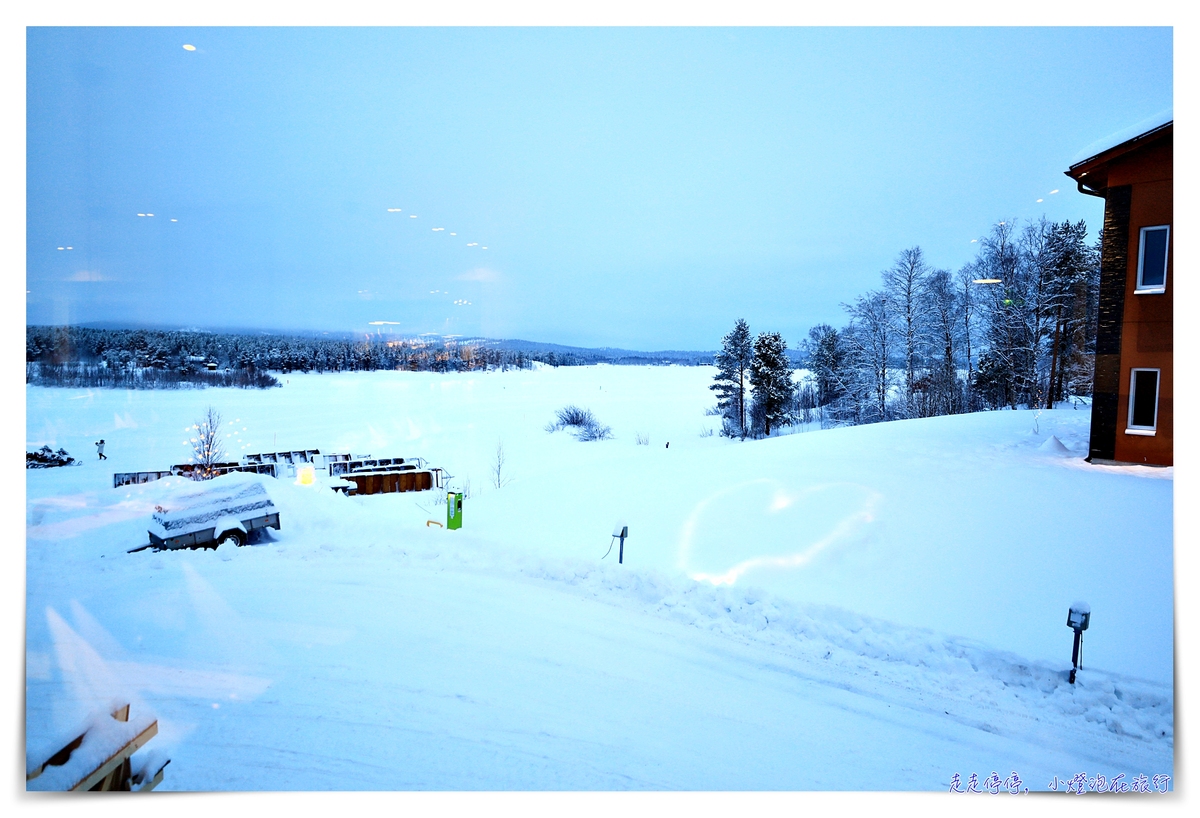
(620,530)
(1077,620)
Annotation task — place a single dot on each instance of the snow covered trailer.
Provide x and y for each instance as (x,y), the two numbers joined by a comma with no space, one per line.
(217,513)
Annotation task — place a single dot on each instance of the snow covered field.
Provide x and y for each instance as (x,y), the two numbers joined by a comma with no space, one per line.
(877,607)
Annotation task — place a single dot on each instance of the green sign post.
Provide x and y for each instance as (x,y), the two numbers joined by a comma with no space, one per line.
(454,509)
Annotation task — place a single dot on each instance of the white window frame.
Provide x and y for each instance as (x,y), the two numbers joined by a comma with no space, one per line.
(1156,289)
(1147,431)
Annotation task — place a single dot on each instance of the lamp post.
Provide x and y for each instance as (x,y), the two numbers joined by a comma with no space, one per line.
(1077,620)
(620,530)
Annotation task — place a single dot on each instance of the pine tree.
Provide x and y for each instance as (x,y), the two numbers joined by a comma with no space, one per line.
(826,360)
(733,365)
(771,377)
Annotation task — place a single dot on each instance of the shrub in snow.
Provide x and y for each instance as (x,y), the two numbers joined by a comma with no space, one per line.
(642,440)
(45,458)
(574,416)
(593,431)
(583,422)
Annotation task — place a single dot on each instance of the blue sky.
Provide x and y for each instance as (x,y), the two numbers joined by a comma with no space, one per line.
(634,187)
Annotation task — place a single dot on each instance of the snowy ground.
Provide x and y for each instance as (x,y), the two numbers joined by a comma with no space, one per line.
(868,608)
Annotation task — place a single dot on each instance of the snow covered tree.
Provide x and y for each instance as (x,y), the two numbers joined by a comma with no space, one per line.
(207,448)
(771,377)
(903,283)
(1004,312)
(826,353)
(870,340)
(733,369)
(942,308)
(964,280)
(1074,266)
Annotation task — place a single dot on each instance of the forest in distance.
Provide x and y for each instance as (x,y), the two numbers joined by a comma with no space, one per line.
(1014,327)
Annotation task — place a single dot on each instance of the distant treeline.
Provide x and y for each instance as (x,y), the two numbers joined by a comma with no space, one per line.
(153,359)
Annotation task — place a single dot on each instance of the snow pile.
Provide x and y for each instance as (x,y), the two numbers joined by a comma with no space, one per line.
(1054,446)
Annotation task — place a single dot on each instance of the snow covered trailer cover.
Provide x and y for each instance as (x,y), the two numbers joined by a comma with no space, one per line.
(204,516)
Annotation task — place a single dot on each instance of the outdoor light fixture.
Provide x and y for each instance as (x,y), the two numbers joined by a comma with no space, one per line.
(1077,620)
(620,530)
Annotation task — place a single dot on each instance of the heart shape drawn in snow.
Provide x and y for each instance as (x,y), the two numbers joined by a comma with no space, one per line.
(761,523)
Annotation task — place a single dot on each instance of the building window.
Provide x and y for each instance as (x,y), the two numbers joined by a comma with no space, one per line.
(1143,402)
(1152,259)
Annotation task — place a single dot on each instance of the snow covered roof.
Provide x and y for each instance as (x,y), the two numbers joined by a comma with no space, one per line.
(1142,128)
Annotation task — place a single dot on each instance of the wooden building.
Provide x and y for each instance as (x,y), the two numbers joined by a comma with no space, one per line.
(1132,406)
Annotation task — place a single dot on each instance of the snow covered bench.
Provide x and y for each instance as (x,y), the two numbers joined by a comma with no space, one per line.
(101,757)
